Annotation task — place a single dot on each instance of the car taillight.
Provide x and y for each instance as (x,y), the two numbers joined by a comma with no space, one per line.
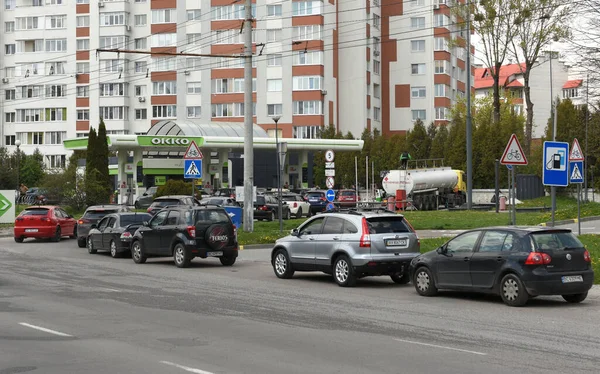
(365,238)
(537,258)
(419,244)
(19,218)
(191,231)
(149,210)
(125,235)
(586,256)
(264,207)
(44,219)
(235,232)
(82,221)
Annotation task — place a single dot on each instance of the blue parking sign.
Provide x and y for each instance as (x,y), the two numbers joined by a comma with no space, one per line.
(556,164)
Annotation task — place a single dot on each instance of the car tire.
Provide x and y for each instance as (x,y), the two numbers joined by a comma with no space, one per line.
(575,298)
(281,265)
(227,260)
(81,242)
(137,252)
(90,246)
(299,213)
(136,205)
(181,257)
(19,239)
(74,236)
(286,215)
(513,291)
(400,278)
(57,235)
(114,253)
(343,272)
(424,282)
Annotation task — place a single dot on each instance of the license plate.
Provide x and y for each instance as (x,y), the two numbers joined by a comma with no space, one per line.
(214,254)
(572,278)
(31,230)
(395,242)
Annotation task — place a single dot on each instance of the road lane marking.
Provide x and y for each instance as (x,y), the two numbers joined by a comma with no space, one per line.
(45,329)
(441,347)
(111,289)
(186,368)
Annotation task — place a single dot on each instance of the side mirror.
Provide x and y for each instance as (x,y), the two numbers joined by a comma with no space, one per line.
(145,223)
(442,250)
(94,226)
(295,232)
(145,194)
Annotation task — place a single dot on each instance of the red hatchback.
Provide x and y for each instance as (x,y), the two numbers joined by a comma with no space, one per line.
(44,222)
(347,198)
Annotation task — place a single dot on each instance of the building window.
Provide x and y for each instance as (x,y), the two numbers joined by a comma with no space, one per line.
(56,161)
(164,16)
(418,92)
(164,64)
(193,14)
(109,42)
(307,82)
(52,68)
(236,11)
(274,109)
(307,8)
(26,92)
(440,113)
(230,85)
(309,32)
(307,108)
(441,90)
(274,85)
(141,19)
(56,114)
(36,138)
(56,45)
(9,95)
(83,114)
(140,43)
(9,140)
(570,92)
(139,90)
(274,60)
(9,49)
(376,67)
(9,4)
(308,58)
(193,63)
(417,45)
(27,23)
(56,22)
(55,137)
(418,114)
(274,10)
(194,88)
(417,69)
(163,40)
(82,68)
(113,89)
(141,67)
(193,112)
(376,21)
(230,110)
(83,91)
(376,90)
(164,88)
(417,22)
(194,39)
(83,44)
(377,114)
(141,114)
(56,90)
(274,35)
(440,44)
(231,37)
(82,21)
(111,66)
(306,132)
(10,117)
(9,26)
(113,112)
(164,111)
(440,67)
(440,20)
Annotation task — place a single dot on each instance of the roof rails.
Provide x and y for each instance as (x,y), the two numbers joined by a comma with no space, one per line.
(360,210)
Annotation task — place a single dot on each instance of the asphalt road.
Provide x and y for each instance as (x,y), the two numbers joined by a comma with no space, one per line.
(65,311)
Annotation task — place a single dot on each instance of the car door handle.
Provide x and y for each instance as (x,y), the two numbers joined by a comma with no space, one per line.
(466,259)
(311,238)
(336,238)
(499,258)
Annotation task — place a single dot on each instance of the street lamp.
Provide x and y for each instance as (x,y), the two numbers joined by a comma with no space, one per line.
(279,209)
(18,144)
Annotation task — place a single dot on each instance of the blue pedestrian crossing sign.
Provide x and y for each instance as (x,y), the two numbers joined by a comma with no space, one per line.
(192,169)
(576,171)
(555,164)
(330,195)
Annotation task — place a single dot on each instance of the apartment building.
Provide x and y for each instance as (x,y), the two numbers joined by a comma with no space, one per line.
(545,82)
(356,64)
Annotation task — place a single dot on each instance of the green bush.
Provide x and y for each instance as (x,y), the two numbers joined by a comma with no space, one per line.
(175,187)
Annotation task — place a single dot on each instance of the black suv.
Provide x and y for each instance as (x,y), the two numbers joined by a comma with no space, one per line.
(186,232)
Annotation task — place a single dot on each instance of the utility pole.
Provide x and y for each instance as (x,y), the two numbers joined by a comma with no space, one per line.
(248,125)
(587,110)
(553,188)
(469,120)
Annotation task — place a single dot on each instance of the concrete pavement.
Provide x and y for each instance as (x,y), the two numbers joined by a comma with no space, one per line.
(65,311)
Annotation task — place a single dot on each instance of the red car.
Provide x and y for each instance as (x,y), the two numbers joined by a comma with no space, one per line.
(44,222)
(347,198)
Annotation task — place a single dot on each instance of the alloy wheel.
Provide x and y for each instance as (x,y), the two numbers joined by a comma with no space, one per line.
(341,271)
(113,249)
(280,264)
(179,255)
(136,251)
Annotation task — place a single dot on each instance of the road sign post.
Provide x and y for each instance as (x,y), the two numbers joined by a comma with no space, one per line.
(577,175)
(330,173)
(7,206)
(555,167)
(192,164)
(513,155)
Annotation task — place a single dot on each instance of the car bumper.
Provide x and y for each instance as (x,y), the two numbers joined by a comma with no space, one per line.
(42,232)
(383,267)
(317,208)
(262,214)
(204,253)
(124,246)
(545,283)
(82,232)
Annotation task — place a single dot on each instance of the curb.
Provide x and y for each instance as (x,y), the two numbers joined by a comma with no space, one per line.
(567,221)
(256,246)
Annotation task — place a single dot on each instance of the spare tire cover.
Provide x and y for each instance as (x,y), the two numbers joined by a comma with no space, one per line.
(217,236)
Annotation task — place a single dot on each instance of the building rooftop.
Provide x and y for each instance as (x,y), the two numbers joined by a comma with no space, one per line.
(574,83)
(483,77)
(189,128)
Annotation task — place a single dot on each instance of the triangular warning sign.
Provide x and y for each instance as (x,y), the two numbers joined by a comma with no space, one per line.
(576,154)
(193,152)
(513,153)
(576,174)
(192,170)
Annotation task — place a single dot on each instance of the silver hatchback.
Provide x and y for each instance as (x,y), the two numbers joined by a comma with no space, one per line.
(349,246)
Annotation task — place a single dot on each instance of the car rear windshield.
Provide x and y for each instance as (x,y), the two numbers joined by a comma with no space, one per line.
(165,202)
(348,193)
(97,214)
(35,212)
(387,225)
(213,216)
(555,240)
(260,200)
(315,194)
(130,219)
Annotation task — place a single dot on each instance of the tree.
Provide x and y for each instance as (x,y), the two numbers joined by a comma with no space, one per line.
(418,141)
(439,142)
(585,45)
(97,180)
(492,20)
(103,154)
(32,168)
(538,23)
(174,187)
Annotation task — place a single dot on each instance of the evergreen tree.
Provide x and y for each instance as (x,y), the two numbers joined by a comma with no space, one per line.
(103,154)
(418,142)
(439,142)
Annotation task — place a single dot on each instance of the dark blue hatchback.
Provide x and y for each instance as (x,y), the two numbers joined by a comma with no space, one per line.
(515,262)
(317,201)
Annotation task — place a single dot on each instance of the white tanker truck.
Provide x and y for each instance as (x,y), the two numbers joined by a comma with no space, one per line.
(428,188)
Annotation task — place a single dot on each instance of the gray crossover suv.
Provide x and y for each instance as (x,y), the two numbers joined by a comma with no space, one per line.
(349,246)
